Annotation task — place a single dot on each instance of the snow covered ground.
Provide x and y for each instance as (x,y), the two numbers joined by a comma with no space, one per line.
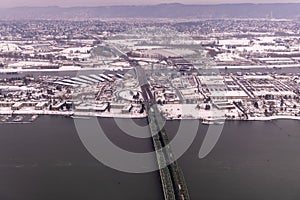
(170,111)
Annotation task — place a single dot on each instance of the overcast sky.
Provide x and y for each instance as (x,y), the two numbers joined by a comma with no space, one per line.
(68,3)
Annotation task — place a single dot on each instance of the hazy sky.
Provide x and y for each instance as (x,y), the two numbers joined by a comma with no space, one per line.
(68,3)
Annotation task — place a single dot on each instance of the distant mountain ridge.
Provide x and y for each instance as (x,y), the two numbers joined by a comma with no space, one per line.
(175,10)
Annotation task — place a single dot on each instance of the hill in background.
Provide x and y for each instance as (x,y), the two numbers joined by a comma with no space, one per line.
(287,10)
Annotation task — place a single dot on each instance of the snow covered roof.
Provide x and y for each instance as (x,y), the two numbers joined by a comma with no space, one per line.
(15,88)
(8,47)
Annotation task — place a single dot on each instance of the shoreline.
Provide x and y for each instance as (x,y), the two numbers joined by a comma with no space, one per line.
(277,117)
(133,116)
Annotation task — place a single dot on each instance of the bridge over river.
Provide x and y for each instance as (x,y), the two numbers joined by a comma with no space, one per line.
(172,179)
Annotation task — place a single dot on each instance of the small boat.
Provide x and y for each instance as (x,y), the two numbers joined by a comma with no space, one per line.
(4,118)
(18,118)
(219,122)
(34,117)
(213,122)
(207,122)
(80,117)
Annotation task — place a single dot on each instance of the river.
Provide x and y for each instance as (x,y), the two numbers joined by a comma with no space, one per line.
(46,160)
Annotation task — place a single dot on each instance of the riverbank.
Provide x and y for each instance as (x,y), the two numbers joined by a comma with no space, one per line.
(278,117)
(73,113)
(203,116)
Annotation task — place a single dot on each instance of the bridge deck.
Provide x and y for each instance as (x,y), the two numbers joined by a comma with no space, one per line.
(172,178)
